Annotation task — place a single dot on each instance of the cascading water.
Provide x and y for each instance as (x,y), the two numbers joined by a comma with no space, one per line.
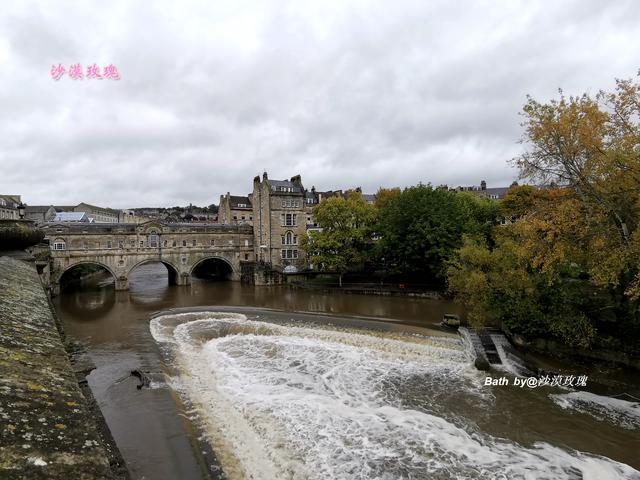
(281,401)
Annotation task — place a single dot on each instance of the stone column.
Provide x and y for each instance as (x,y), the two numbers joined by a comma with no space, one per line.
(122,283)
(183,279)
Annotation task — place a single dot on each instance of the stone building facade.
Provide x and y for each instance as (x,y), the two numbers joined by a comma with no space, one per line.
(40,213)
(98,214)
(235,210)
(47,213)
(9,207)
(281,212)
(280,216)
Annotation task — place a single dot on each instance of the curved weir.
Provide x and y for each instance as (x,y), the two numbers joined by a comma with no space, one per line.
(299,400)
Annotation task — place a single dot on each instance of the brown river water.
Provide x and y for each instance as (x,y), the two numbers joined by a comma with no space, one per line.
(296,384)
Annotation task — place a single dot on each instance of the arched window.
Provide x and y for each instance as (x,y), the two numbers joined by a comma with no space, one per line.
(59,244)
(290,238)
(153,240)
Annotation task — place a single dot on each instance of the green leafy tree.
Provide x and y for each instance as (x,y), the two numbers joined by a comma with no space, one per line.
(480,214)
(344,241)
(421,227)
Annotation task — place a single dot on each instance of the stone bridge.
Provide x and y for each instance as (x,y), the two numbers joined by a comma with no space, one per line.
(121,247)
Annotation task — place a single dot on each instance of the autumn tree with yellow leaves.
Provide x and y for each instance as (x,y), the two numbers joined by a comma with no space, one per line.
(575,242)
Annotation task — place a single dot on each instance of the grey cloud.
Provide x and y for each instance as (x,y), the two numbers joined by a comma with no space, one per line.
(345,93)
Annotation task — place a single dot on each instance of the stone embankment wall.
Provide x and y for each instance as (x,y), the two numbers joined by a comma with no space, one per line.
(47,427)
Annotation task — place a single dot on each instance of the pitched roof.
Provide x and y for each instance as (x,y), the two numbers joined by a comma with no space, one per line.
(100,209)
(37,208)
(495,192)
(277,185)
(71,217)
(64,208)
(235,201)
(11,200)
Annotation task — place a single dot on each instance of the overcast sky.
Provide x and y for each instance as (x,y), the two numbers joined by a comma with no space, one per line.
(345,93)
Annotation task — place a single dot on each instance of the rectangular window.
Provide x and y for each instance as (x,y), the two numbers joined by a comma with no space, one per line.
(289,253)
(109,244)
(212,242)
(141,243)
(289,203)
(193,243)
(289,219)
(184,243)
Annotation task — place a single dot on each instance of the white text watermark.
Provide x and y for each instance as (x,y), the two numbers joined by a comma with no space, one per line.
(545,380)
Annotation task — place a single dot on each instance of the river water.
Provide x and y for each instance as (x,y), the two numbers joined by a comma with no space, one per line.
(293,384)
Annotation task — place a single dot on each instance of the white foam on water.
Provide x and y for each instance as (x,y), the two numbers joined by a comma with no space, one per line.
(614,410)
(291,402)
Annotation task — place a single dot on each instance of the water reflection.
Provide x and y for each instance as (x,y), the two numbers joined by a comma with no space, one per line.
(149,291)
(96,302)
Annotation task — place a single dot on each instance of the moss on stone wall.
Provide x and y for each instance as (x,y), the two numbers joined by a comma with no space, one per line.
(48,431)
(17,235)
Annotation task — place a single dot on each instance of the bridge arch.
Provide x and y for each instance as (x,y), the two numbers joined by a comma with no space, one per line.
(174,271)
(224,268)
(85,262)
(57,277)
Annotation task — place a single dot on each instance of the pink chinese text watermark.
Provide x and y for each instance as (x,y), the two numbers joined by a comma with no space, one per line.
(91,72)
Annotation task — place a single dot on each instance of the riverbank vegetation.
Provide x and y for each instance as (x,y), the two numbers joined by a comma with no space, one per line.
(557,260)
(409,235)
(568,265)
